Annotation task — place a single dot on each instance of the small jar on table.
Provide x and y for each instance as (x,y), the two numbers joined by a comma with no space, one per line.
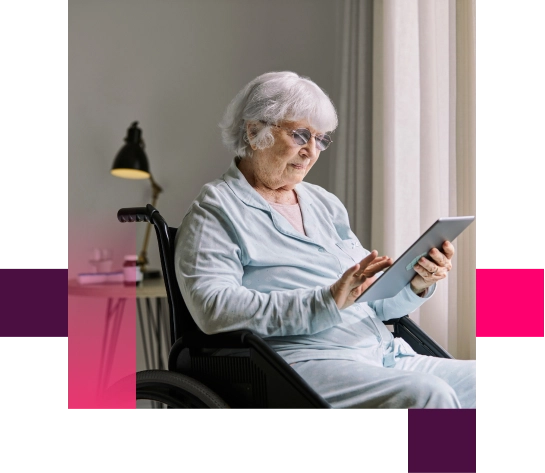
(132,275)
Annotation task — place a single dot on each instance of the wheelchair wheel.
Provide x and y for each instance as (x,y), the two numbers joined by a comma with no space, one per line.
(175,391)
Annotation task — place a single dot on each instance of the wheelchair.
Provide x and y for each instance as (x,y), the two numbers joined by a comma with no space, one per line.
(257,377)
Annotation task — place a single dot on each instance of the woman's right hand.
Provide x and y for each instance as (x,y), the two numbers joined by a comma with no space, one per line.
(358,278)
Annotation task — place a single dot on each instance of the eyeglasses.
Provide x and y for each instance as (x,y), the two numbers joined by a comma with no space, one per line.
(302,135)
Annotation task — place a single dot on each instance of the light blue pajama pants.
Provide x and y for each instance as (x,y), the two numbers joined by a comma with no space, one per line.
(414,382)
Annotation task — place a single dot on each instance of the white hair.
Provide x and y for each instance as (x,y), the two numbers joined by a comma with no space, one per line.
(271,98)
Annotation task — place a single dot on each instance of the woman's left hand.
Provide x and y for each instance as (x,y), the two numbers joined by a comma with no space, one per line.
(429,272)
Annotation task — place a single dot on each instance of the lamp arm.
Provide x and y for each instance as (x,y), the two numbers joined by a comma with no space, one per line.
(156,189)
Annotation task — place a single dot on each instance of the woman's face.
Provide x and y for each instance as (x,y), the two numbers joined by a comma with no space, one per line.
(285,164)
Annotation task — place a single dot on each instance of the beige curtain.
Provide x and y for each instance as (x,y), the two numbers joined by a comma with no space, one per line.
(352,166)
(462,328)
(406,144)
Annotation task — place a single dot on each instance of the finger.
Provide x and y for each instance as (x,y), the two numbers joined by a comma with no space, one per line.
(380,263)
(346,282)
(441,260)
(428,265)
(368,259)
(374,268)
(448,248)
(438,257)
(350,273)
(425,271)
(366,273)
(428,276)
(379,259)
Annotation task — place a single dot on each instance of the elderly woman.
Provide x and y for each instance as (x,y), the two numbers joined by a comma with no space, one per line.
(260,249)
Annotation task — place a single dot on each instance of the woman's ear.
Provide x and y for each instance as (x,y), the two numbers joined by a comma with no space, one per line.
(251,132)
(251,129)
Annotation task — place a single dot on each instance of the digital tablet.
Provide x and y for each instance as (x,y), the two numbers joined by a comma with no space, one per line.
(397,276)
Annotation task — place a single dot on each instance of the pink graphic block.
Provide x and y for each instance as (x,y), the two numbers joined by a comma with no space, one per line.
(101,320)
(510,303)
(102,350)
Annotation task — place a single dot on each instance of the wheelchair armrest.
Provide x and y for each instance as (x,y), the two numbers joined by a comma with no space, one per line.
(198,339)
(419,340)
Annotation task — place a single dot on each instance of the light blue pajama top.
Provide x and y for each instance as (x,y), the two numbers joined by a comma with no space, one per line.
(241,265)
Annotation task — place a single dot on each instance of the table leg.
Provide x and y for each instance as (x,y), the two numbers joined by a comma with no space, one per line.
(114,314)
(143,335)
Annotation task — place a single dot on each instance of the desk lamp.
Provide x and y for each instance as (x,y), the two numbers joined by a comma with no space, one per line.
(132,163)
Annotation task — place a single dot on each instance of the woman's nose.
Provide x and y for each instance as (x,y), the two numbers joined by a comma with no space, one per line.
(310,147)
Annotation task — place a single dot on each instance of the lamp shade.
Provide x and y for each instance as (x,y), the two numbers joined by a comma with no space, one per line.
(131,162)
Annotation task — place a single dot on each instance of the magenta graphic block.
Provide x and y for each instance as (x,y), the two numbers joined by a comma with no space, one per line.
(509,303)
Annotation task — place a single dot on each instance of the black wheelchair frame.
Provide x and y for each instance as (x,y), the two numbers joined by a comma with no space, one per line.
(198,377)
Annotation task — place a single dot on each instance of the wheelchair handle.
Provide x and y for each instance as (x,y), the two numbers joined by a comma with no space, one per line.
(136,214)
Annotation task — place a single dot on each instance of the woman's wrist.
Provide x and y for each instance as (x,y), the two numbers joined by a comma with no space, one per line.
(419,292)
